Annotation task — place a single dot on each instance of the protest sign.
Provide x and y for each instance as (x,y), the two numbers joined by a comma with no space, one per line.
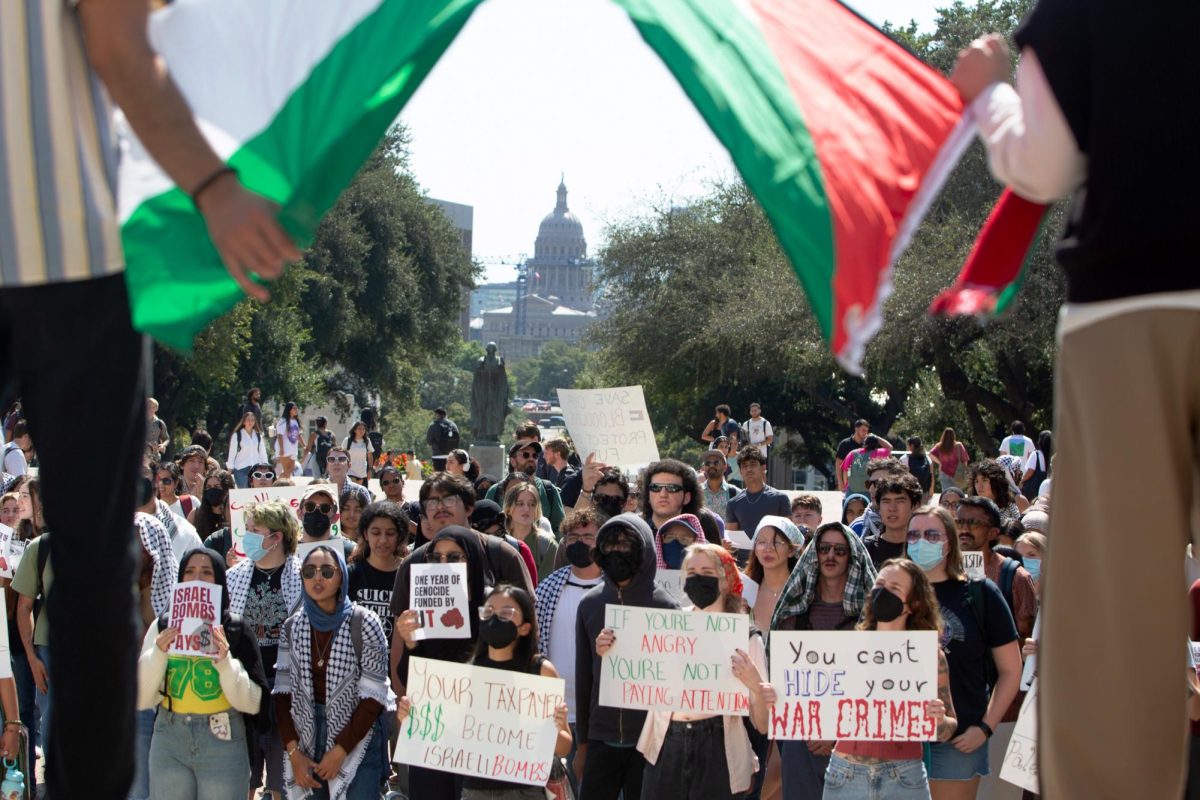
(1030,669)
(674,660)
(612,423)
(290,496)
(972,562)
(671,582)
(9,544)
(740,539)
(853,685)
(478,721)
(195,608)
(439,596)
(1020,760)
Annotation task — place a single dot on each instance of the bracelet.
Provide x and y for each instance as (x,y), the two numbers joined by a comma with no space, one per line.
(295,749)
(210,180)
(16,722)
(987,729)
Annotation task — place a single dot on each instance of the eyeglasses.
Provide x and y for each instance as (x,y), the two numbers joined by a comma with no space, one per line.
(972,523)
(930,535)
(309,571)
(769,544)
(389,481)
(616,546)
(432,504)
(683,537)
(506,613)
(337,459)
(712,462)
(167,481)
(571,538)
(324,508)
(260,476)
(451,558)
(669,488)
(529,454)
(839,550)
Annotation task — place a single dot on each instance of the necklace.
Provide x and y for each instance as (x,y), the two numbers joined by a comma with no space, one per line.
(269,573)
(329,644)
(757,496)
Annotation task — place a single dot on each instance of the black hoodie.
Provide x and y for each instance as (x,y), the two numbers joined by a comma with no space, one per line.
(593,721)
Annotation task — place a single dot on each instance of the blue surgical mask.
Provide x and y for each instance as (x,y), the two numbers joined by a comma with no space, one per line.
(252,543)
(1033,566)
(926,555)
(673,554)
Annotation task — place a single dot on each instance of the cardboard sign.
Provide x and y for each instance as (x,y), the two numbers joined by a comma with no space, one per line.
(676,660)
(487,723)
(1020,760)
(853,685)
(972,562)
(671,582)
(195,608)
(290,496)
(438,593)
(612,423)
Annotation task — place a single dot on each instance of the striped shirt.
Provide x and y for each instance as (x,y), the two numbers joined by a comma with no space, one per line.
(58,154)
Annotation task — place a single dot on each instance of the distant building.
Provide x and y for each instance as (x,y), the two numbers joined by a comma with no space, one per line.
(492,295)
(463,218)
(560,301)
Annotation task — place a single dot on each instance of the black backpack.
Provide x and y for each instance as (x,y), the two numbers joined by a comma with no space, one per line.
(921,471)
(448,436)
(1030,487)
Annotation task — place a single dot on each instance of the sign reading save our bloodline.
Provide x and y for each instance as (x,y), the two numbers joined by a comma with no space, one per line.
(488,723)
(853,685)
(674,660)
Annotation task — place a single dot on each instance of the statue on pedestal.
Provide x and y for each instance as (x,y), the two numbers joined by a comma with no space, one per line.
(489,397)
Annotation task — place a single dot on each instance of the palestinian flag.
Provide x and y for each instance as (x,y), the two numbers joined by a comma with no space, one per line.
(295,95)
(843,136)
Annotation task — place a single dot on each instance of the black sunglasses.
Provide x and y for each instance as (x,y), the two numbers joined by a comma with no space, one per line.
(669,488)
(309,571)
(389,481)
(324,508)
(839,550)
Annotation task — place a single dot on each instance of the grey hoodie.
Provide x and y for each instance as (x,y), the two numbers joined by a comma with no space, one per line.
(593,721)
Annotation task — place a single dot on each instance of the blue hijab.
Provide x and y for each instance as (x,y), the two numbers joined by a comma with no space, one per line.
(318,618)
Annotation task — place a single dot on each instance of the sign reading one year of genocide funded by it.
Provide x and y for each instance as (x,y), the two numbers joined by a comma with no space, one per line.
(853,685)
(674,660)
(439,596)
(612,423)
(195,608)
(488,723)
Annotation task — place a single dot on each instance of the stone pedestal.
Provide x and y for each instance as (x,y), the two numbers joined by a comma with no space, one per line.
(490,458)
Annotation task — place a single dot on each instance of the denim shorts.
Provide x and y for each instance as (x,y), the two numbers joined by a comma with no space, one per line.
(893,780)
(948,764)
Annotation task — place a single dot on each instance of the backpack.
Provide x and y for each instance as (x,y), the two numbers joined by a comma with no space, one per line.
(921,471)
(856,478)
(324,445)
(185,503)
(977,600)
(448,436)
(1030,487)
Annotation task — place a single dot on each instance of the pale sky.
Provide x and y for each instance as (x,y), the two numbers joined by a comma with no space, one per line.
(532,88)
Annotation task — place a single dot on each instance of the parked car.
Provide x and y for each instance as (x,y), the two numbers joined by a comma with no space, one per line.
(553,422)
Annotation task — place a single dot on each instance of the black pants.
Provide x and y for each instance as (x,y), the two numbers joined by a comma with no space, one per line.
(609,770)
(691,764)
(69,352)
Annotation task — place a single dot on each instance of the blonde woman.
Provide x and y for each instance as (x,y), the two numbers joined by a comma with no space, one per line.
(522,510)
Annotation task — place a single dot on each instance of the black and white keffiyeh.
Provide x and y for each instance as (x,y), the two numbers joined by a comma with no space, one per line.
(157,543)
(238,580)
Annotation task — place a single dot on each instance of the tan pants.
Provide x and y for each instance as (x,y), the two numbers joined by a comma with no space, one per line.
(1112,719)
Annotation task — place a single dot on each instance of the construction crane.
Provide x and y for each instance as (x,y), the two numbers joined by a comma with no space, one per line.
(521,294)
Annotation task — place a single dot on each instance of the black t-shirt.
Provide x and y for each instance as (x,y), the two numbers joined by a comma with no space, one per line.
(844,448)
(372,588)
(965,644)
(266,609)
(881,549)
(534,669)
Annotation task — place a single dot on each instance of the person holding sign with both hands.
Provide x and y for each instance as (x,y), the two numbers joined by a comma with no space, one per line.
(705,756)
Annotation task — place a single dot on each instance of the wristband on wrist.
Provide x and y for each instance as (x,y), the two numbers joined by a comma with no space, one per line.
(209,181)
(987,729)
(16,722)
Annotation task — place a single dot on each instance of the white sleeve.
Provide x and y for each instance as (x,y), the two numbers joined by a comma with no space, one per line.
(241,692)
(1032,461)
(18,465)
(151,669)
(5,657)
(1004,445)
(229,463)
(767,431)
(1030,146)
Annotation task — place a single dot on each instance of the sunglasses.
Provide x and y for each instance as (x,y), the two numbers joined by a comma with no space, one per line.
(839,550)
(930,535)
(309,571)
(972,523)
(530,454)
(506,614)
(389,481)
(452,558)
(166,481)
(713,463)
(324,508)
(337,460)
(669,488)
(263,476)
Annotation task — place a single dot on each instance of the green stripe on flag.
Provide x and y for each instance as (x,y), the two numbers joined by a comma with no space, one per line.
(303,160)
(728,71)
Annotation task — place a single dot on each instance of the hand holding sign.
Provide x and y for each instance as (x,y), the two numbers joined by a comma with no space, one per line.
(439,597)
(593,470)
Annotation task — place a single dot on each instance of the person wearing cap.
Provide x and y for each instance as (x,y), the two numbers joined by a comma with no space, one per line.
(716,491)
(825,592)
(488,517)
(193,463)
(523,457)
(318,511)
(673,537)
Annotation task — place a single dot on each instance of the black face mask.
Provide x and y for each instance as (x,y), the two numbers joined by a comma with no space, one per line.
(145,491)
(498,633)
(619,566)
(608,505)
(580,554)
(214,496)
(702,590)
(885,605)
(316,524)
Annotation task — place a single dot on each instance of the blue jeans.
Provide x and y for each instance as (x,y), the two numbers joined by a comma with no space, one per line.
(241,477)
(140,790)
(891,780)
(188,762)
(369,776)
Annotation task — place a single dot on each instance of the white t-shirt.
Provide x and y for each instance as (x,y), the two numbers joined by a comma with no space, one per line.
(561,650)
(186,540)
(758,431)
(1035,460)
(1020,446)
(14,461)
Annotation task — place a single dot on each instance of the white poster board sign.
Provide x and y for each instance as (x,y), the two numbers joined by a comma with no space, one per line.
(853,685)
(195,608)
(671,582)
(290,496)
(438,593)
(739,538)
(1020,760)
(972,561)
(482,722)
(612,423)
(676,660)
(10,552)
